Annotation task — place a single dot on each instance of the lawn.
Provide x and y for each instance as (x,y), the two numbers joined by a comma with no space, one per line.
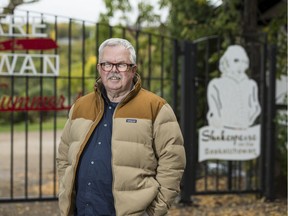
(35,126)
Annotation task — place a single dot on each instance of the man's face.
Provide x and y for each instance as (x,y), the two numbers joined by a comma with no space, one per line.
(115,81)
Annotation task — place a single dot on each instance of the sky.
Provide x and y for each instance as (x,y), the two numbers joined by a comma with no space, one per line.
(88,10)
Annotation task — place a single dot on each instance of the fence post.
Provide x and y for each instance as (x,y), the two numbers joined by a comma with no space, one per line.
(175,95)
(270,129)
(188,119)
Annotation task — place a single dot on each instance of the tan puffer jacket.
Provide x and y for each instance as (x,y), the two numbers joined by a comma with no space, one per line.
(148,157)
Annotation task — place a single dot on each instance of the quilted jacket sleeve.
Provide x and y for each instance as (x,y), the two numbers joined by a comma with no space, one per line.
(62,156)
(170,152)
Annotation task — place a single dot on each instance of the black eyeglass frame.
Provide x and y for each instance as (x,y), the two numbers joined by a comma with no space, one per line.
(102,64)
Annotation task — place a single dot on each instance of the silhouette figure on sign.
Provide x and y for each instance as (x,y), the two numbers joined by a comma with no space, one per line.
(233,98)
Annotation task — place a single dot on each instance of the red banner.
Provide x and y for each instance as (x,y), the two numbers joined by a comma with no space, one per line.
(28,44)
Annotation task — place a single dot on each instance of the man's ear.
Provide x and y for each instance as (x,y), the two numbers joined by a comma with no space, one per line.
(134,69)
(98,69)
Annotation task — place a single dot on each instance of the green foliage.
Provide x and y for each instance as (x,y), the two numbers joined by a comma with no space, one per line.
(228,20)
(187,20)
(33,126)
(12,4)
(114,7)
(277,34)
(122,9)
(282,144)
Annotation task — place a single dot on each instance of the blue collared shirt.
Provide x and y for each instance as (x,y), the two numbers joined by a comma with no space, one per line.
(94,175)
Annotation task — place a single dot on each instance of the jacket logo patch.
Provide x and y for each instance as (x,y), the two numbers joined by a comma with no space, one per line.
(131,120)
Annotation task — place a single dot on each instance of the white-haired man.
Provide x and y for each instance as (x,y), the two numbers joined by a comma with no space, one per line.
(121,151)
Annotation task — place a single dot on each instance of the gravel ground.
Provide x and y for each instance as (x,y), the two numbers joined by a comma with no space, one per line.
(222,205)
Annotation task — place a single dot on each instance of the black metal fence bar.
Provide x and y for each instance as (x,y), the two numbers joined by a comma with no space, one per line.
(271,138)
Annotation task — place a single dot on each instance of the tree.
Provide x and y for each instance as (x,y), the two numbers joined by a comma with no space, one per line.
(15,3)
(122,10)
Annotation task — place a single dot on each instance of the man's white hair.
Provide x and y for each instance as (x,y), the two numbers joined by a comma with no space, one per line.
(118,42)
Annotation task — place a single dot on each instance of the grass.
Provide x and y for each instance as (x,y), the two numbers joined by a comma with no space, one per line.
(46,125)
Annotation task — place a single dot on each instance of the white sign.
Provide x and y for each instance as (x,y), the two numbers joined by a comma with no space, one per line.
(233,108)
(228,144)
(27,64)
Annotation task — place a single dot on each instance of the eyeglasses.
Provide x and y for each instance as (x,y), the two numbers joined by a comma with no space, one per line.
(121,67)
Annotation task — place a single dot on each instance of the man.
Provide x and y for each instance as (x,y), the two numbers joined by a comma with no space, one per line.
(121,151)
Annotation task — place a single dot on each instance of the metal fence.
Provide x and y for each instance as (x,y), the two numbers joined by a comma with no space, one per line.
(38,86)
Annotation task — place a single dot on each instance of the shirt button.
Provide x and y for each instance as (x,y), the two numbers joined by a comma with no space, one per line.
(92,162)
(89,183)
(110,107)
(99,143)
(105,125)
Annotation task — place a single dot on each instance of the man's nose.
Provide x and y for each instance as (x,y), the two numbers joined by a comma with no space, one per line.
(114,68)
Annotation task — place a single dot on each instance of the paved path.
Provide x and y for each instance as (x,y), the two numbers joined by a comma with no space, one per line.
(32,144)
(13,154)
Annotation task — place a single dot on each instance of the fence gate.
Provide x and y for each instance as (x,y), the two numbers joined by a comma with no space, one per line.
(227,128)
